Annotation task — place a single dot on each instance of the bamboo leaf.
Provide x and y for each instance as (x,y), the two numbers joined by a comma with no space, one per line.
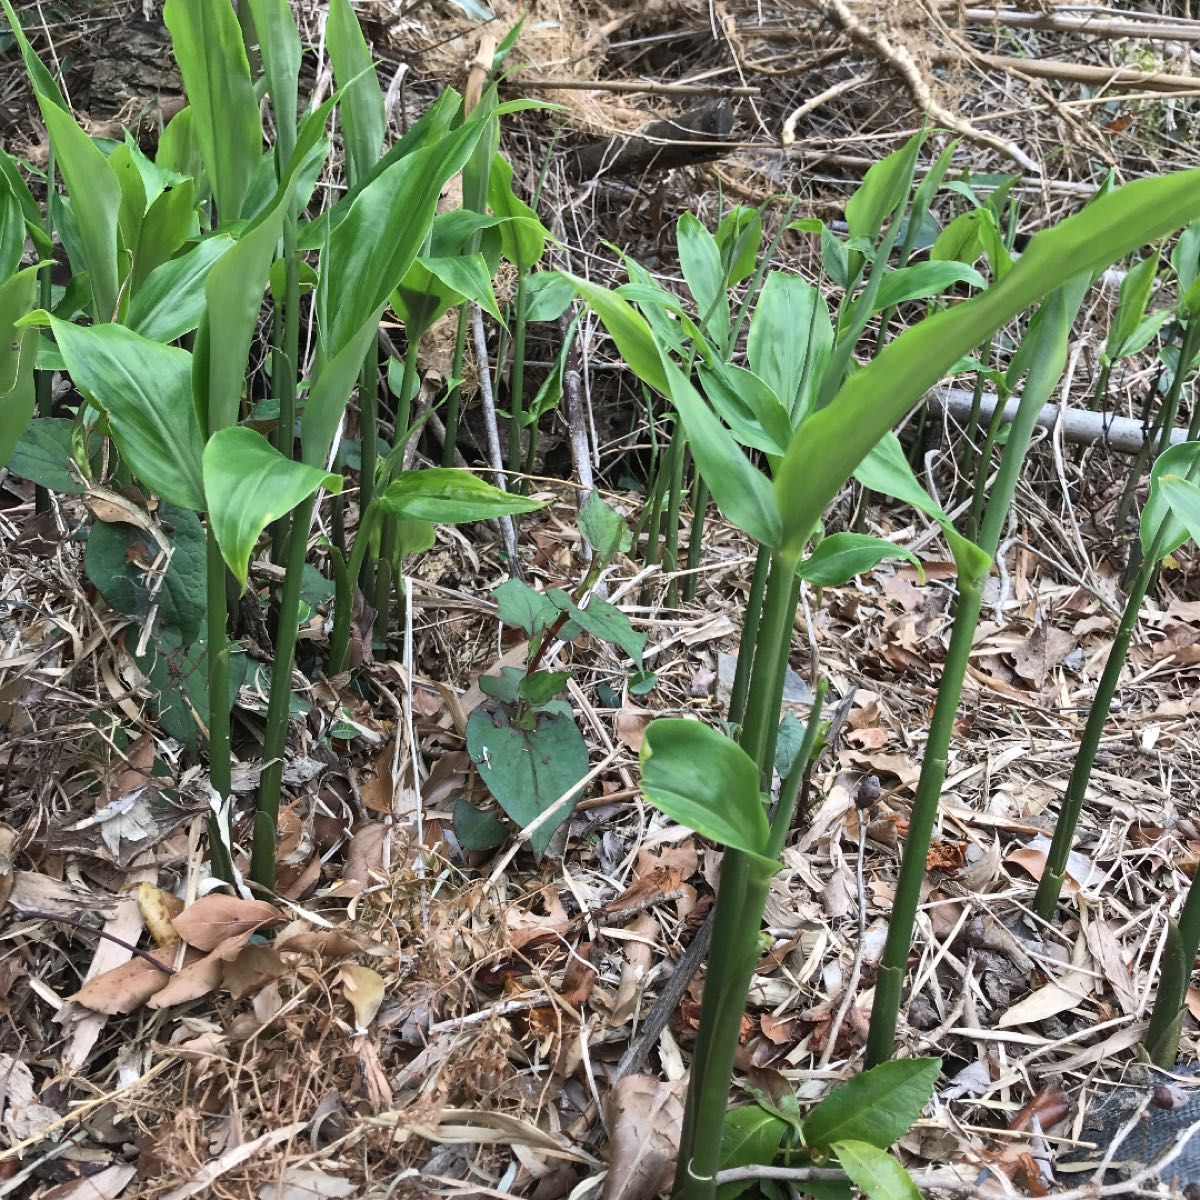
(18,350)
(875,1172)
(450,496)
(841,556)
(363,118)
(878,1106)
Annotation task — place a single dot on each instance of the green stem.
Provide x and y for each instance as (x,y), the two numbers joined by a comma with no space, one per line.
(675,468)
(262,860)
(45,379)
(982,468)
(368,424)
(1179,957)
(284,352)
(770,660)
(516,378)
(219,755)
(1101,389)
(1050,327)
(454,395)
(696,538)
(746,646)
(347,575)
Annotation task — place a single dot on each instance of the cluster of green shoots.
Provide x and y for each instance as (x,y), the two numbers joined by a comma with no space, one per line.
(772,404)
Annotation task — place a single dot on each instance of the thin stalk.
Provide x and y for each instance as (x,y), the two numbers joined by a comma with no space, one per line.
(1101,389)
(1051,327)
(696,537)
(44,387)
(220,765)
(284,353)
(676,459)
(368,423)
(1166,1017)
(772,735)
(346,575)
(454,395)
(266,818)
(516,377)
(745,659)
(981,473)
(969,466)
(1050,885)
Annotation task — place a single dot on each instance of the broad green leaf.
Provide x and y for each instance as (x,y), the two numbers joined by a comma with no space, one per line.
(878,1106)
(604,528)
(739,237)
(42,454)
(168,223)
(522,235)
(505,687)
(542,686)
(248,484)
(604,621)
(970,236)
(330,390)
(18,352)
(1178,460)
(477,830)
(883,189)
(705,781)
(831,442)
(467,277)
(179,149)
(146,390)
(1185,258)
(747,405)
(207,42)
(874,1172)
(363,118)
(12,230)
(171,301)
(749,1137)
(628,329)
(547,296)
(279,43)
(841,556)
(1184,499)
(790,340)
(97,195)
(700,260)
(523,607)
(450,496)
(742,492)
(922,280)
(529,769)
(1132,298)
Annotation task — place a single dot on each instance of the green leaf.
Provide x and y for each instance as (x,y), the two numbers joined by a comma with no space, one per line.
(1175,460)
(97,203)
(279,43)
(467,277)
(741,490)
(330,390)
(875,1172)
(790,340)
(528,770)
(42,455)
(879,1106)
(116,557)
(146,390)
(522,235)
(832,441)
(747,405)
(12,230)
(505,687)
(450,496)
(1132,298)
(477,830)
(547,296)
(18,352)
(604,528)
(705,781)
(207,42)
(739,237)
(249,484)
(1184,499)
(171,301)
(542,686)
(921,280)
(602,620)
(749,1137)
(841,556)
(700,260)
(523,607)
(363,117)
(166,226)
(883,189)
(628,329)
(970,236)
(43,82)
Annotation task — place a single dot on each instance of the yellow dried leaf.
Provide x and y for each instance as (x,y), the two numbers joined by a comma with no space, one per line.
(158,908)
(364,989)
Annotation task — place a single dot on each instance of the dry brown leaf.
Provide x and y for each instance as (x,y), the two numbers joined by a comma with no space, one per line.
(129,986)
(1193,1002)
(376,785)
(365,852)
(201,976)
(322,943)
(644,1117)
(8,843)
(213,919)
(1106,950)
(364,989)
(308,1183)
(105,1184)
(639,955)
(631,727)
(158,908)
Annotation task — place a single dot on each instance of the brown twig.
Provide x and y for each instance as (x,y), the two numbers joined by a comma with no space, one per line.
(35,915)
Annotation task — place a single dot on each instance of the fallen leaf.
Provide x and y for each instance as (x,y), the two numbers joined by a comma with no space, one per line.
(106,1184)
(1193,1002)
(307,1183)
(24,1116)
(127,987)
(322,943)
(631,727)
(8,843)
(1106,950)
(364,989)
(1048,1001)
(158,908)
(365,852)
(376,784)
(1050,1105)
(639,955)
(213,919)
(201,976)
(644,1117)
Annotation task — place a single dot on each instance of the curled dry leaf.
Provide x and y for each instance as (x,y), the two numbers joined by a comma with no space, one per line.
(644,1116)
(364,989)
(213,919)
(158,909)
(322,943)
(201,976)
(129,986)
(631,727)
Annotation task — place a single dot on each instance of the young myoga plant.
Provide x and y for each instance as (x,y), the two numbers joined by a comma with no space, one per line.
(846,430)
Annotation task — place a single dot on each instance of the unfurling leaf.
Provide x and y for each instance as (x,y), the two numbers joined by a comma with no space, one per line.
(450,496)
